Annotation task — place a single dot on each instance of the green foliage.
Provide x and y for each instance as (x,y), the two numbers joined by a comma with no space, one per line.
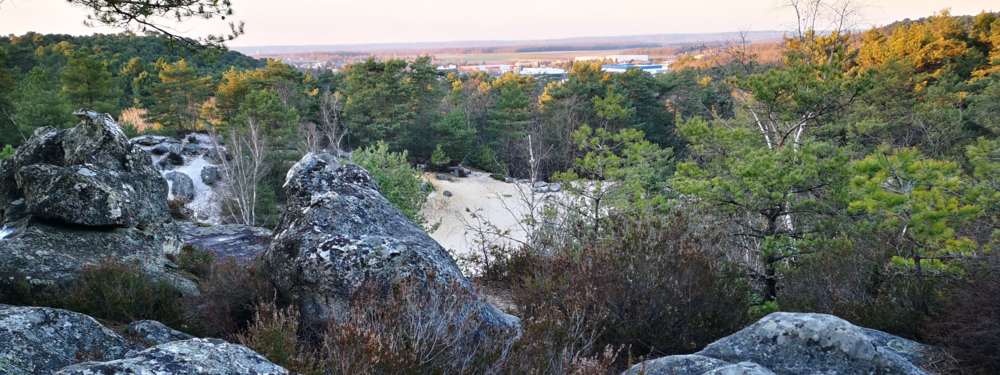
(7,152)
(378,105)
(277,121)
(178,96)
(922,200)
(438,157)
(38,103)
(400,183)
(88,83)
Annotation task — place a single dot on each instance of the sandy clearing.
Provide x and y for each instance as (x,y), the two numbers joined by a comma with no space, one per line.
(476,199)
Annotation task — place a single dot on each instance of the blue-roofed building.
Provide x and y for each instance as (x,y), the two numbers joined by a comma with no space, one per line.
(649,68)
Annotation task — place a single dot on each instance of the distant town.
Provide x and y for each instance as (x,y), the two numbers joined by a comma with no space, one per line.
(553,69)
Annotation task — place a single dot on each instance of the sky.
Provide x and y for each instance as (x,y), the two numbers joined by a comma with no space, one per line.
(317,22)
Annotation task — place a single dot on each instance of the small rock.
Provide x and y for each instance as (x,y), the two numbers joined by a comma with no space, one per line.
(181,186)
(175,148)
(209,175)
(508,180)
(555,188)
(539,184)
(155,332)
(192,150)
(160,150)
(443,177)
(446,193)
(424,186)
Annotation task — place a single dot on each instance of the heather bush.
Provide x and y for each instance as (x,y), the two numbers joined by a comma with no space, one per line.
(968,327)
(852,277)
(230,296)
(121,292)
(654,286)
(274,334)
(196,262)
(415,327)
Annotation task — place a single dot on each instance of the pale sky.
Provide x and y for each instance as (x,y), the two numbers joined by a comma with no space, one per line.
(312,22)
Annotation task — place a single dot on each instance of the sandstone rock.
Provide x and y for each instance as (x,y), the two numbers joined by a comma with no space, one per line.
(677,365)
(446,193)
(192,150)
(227,240)
(73,197)
(155,332)
(189,357)
(338,232)
(799,343)
(41,340)
(209,175)
(742,368)
(87,196)
(181,186)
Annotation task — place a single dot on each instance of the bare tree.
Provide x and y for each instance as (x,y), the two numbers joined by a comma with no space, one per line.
(333,130)
(246,169)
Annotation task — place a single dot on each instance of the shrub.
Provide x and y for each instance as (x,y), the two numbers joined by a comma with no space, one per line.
(230,296)
(439,159)
(400,183)
(196,262)
(969,326)
(122,292)
(851,277)
(7,152)
(654,286)
(273,334)
(414,327)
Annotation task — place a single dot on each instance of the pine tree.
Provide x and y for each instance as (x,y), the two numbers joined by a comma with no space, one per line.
(88,83)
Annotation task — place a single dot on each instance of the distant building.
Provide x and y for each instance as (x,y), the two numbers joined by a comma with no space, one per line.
(620,58)
(588,58)
(487,68)
(649,68)
(448,68)
(551,72)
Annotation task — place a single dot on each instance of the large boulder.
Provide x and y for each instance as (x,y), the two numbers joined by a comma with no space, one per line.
(70,198)
(338,233)
(799,343)
(181,186)
(189,357)
(41,340)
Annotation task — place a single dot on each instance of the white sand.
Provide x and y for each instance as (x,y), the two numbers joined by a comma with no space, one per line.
(492,201)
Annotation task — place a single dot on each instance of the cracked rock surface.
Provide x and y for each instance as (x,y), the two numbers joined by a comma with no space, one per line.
(69,198)
(797,343)
(338,232)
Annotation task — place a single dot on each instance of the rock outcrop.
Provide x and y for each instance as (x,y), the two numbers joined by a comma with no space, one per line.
(797,343)
(237,241)
(338,232)
(189,357)
(69,198)
(41,340)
